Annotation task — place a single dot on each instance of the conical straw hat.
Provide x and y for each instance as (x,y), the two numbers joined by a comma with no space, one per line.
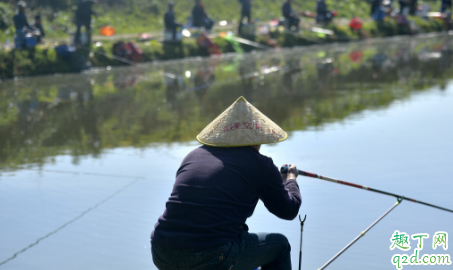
(241,125)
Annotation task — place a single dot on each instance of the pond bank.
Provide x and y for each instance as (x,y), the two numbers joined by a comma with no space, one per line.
(42,61)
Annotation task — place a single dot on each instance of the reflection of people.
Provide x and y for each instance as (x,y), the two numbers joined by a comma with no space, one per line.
(220,184)
(170,21)
(83,19)
(291,17)
(199,16)
(21,24)
(38,26)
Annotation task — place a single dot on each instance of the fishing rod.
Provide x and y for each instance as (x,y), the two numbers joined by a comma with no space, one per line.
(284,169)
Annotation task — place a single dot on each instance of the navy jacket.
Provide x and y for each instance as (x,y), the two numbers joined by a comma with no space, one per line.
(216,190)
(246,5)
(198,16)
(20,21)
(169,20)
(287,10)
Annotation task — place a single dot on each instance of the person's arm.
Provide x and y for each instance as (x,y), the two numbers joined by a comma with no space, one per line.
(26,23)
(280,192)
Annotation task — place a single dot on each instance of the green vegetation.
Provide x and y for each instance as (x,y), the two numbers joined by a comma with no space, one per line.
(136,16)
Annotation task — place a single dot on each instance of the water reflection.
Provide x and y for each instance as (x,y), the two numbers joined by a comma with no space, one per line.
(171,102)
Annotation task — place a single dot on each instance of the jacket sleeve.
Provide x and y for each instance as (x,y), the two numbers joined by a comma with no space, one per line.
(281,199)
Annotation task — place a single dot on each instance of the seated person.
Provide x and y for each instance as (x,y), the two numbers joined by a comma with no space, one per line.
(21,24)
(38,26)
(290,16)
(199,16)
(322,13)
(170,21)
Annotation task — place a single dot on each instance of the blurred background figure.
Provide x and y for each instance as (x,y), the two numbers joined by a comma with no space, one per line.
(38,26)
(291,18)
(323,15)
(170,21)
(375,5)
(246,12)
(199,16)
(404,6)
(446,5)
(83,18)
(21,24)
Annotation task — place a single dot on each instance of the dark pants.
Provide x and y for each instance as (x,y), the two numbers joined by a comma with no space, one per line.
(87,25)
(403,5)
(292,21)
(248,251)
(174,29)
(244,14)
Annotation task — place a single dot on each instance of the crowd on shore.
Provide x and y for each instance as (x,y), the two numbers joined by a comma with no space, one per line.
(27,34)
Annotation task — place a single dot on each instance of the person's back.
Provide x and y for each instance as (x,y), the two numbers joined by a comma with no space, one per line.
(169,19)
(20,21)
(217,188)
(286,9)
(221,193)
(198,15)
(321,8)
(85,11)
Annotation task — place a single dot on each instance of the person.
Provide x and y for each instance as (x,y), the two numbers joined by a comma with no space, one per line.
(21,24)
(170,21)
(217,188)
(83,19)
(446,4)
(246,12)
(322,13)
(291,17)
(375,5)
(403,6)
(199,16)
(38,26)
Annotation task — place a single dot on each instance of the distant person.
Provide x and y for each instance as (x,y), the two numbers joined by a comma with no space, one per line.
(199,16)
(291,17)
(404,4)
(413,6)
(322,12)
(21,24)
(38,26)
(446,4)
(83,18)
(375,5)
(246,12)
(170,21)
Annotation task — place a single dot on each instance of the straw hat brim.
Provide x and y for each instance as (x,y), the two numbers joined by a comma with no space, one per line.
(241,125)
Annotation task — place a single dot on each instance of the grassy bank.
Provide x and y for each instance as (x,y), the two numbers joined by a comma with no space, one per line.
(39,61)
(135,16)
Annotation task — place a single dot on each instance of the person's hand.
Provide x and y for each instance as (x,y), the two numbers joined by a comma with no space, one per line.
(292,172)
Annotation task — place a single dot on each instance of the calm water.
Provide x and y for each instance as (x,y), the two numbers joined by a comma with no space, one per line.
(88,161)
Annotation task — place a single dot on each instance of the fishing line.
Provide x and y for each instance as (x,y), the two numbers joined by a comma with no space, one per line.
(69,222)
(85,173)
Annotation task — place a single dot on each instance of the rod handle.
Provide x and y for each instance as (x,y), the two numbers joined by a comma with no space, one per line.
(284,169)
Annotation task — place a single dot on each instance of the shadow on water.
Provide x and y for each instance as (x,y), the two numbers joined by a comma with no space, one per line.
(171,102)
